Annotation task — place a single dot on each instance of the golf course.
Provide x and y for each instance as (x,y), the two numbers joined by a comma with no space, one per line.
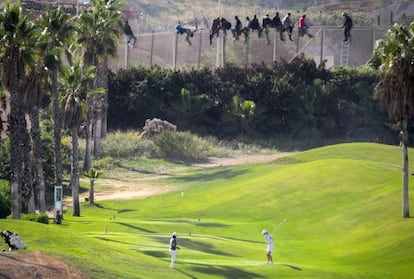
(333,212)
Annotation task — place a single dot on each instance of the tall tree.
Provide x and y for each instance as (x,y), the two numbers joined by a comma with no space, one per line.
(73,82)
(395,56)
(32,97)
(18,37)
(54,41)
(98,31)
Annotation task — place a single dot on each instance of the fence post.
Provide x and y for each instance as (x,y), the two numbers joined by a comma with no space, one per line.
(223,51)
(126,54)
(274,44)
(298,43)
(322,46)
(373,39)
(199,50)
(247,52)
(175,44)
(218,58)
(152,47)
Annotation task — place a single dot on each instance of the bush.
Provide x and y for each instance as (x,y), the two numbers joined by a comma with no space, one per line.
(4,158)
(41,218)
(5,204)
(125,145)
(181,146)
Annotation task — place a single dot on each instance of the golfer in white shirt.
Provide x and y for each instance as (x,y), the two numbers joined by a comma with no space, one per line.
(269,249)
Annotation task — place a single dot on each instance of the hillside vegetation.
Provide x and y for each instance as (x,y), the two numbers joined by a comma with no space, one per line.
(341,203)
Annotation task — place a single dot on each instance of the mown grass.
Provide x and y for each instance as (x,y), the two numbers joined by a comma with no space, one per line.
(341,203)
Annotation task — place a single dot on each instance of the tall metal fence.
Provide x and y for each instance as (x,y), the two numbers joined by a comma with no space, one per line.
(171,50)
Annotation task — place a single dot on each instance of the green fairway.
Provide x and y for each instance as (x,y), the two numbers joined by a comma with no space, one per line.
(342,206)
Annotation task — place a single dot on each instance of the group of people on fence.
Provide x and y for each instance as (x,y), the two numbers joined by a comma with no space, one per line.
(280,24)
(253,25)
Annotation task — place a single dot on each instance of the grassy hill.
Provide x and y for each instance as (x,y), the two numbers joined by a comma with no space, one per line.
(341,203)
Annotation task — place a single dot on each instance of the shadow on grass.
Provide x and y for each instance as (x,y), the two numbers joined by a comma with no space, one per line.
(235,239)
(219,174)
(195,223)
(225,271)
(156,254)
(113,209)
(112,240)
(292,266)
(135,227)
(189,244)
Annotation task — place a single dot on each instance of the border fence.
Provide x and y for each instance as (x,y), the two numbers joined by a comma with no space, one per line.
(171,50)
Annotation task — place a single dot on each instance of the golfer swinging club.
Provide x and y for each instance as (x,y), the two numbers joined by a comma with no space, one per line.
(173,248)
(269,249)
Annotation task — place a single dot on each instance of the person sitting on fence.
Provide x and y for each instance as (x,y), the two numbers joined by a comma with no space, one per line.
(347,27)
(277,24)
(246,28)
(237,29)
(182,30)
(303,27)
(254,25)
(266,24)
(128,32)
(288,25)
(225,25)
(215,28)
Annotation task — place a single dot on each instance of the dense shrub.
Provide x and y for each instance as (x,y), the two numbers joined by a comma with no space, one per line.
(291,99)
(125,145)
(41,218)
(181,146)
(4,158)
(4,199)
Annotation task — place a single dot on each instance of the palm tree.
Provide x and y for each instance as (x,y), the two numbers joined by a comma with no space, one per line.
(92,174)
(18,37)
(395,56)
(32,97)
(98,33)
(73,82)
(54,40)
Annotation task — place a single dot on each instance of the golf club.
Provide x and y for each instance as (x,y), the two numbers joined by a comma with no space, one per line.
(278,226)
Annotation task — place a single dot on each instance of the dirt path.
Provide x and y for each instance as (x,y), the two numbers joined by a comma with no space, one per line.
(139,188)
(15,265)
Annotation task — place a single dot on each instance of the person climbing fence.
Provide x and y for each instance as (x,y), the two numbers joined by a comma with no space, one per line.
(183,30)
(288,25)
(130,35)
(347,27)
(303,27)
(277,24)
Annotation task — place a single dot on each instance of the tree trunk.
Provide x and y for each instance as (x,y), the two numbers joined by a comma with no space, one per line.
(74,180)
(27,179)
(404,142)
(92,192)
(99,107)
(38,175)
(87,161)
(15,127)
(57,128)
(105,116)
(97,148)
